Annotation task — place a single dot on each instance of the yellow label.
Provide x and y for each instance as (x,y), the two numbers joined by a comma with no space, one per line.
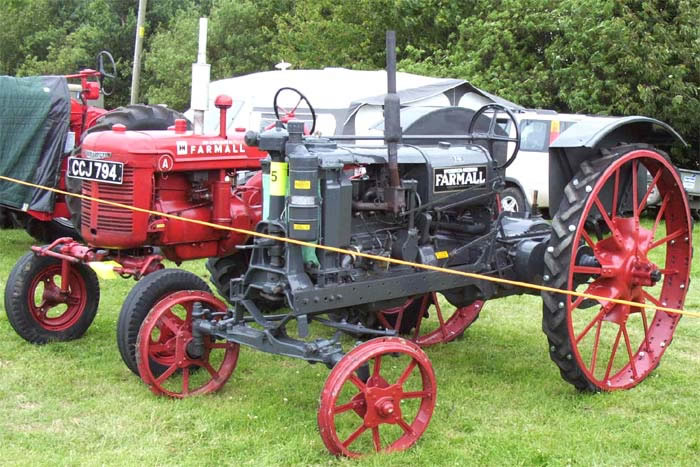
(554,127)
(301,226)
(142,31)
(441,254)
(302,184)
(278,178)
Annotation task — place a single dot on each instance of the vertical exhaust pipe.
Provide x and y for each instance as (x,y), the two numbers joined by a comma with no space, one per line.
(392,108)
(200,80)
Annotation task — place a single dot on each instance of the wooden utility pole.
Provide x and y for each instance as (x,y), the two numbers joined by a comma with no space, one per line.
(136,71)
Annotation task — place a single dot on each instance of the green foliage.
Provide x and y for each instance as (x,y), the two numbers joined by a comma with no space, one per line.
(589,56)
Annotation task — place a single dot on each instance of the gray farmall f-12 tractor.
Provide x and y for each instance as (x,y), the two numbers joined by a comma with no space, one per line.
(352,239)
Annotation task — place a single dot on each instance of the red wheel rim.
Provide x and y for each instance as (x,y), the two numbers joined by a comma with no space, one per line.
(388,411)
(617,346)
(52,309)
(164,337)
(436,321)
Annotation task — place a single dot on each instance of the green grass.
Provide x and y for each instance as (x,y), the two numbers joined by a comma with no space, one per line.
(501,401)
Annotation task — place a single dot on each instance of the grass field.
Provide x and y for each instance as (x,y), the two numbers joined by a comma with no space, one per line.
(500,401)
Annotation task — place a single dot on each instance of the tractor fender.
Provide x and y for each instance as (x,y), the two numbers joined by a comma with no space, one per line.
(585,140)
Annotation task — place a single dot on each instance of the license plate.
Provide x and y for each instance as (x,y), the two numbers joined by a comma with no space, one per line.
(689,181)
(99,171)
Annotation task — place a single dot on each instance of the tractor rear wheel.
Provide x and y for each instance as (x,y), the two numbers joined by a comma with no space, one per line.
(134,117)
(379,397)
(48,231)
(37,308)
(142,298)
(190,366)
(429,320)
(600,247)
(225,268)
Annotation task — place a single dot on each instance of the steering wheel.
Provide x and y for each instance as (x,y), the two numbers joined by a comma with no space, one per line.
(289,114)
(491,136)
(103,74)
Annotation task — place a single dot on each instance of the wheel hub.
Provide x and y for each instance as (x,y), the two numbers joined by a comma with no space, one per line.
(382,405)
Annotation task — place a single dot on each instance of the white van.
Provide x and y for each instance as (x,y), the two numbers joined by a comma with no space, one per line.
(529,173)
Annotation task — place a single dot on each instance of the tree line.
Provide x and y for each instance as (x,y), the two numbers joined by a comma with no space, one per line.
(611,57)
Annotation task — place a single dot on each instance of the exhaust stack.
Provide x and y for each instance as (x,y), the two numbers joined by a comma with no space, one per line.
(200,80)
(392,126)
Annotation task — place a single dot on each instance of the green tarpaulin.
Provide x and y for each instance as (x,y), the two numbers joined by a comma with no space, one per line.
(34,122)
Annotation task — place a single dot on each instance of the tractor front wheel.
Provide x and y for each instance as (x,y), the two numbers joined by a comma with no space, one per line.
(600,246)
(379,397)
(41,308)
(142,298)
(191,366)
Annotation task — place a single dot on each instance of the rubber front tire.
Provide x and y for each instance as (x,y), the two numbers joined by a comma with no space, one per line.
(33,279)
(142,298)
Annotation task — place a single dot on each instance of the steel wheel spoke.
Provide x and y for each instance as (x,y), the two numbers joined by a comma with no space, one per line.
(157,348)
(406,373)
(186,380)
(612,354)
(587,270)
(357,382)
(377,366)
(652,185)
(604,215)
(354,435)
(667,238)
(651,298)
(596,343)
(415,395)
(635,194)
(439,314)
(214,374)
(167,321)
(623,328)
(659,215)
(353,404)
(587,238)
(616,190)
(406,427)
(375,439)
(167,373)
(598,318)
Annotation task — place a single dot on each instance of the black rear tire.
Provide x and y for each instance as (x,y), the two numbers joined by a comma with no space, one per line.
(142,298)
(47,231)
(225,268)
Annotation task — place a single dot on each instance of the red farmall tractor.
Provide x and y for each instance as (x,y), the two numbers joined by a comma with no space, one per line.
(52,293)
(36,152)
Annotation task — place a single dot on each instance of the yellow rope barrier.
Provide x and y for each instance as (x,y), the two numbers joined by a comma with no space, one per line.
(428,267)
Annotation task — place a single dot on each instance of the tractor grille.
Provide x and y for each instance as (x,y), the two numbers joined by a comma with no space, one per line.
(110,218)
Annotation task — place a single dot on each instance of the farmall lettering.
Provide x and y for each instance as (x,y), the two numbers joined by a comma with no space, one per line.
(459,178)
(209,148)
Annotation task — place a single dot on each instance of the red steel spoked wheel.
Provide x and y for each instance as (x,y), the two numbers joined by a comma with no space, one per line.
(42,308)
(166,338)
(600,246)
(52,309)
(428,320)
(379,397)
